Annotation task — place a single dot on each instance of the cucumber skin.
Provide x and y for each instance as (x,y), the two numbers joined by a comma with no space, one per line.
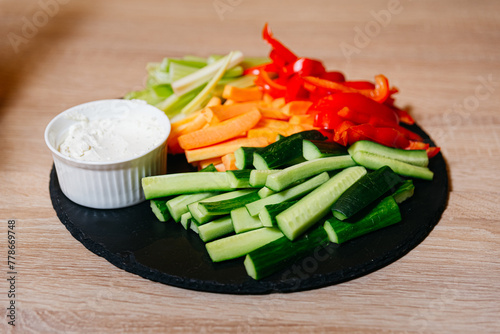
(215,229)
(315,149)
(184,183)
(281,253)
(239,245)
(160,209)
(284,151)
(412,157)
(364,192)
(386,213)
(295,220)
(373,161)
(284,178)
(288,194)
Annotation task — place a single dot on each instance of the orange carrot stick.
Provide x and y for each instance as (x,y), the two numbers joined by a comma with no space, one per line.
(223,148)
(220,132)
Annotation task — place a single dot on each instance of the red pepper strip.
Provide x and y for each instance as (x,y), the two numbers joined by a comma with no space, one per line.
(404,116)
(391,137)
(361,132)
(417,145)
(295,89)
(432,151)
(327,120)
(408,133)
(360,85)
(255,70)
(307,66)
(329,85)
(361,118)
(360,103)
(333,76)
(269,86)
(381,91)
(341,135)
(282,51)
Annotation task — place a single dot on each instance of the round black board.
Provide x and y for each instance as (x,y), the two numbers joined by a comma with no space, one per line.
(134,240)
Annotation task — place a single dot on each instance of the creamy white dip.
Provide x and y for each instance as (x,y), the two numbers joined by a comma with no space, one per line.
(115,138)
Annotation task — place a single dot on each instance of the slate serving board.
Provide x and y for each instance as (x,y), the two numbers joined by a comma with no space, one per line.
(132,239)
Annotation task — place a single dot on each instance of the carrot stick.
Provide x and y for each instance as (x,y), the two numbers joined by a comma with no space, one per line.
(232,110)
(220,132)
(223,148)
(268,133)
(296,107)
(229,161)
(241,94)
(273,113)
(214,101)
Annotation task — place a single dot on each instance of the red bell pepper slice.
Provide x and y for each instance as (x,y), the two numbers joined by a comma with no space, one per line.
(295,89)
(327,119)
(269,86)
(360,85)
(417,145)
(409,134)
(341,135)
(360,103)
(333,76)
(382,90)
(432,151)
(404,116)
(281,51)
(361,132)
(307,66)
(391,137)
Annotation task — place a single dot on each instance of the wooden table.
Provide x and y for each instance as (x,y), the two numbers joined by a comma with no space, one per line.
(443,56)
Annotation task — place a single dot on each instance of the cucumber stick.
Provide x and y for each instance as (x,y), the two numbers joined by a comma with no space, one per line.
(160,210)
(268,214)
(258,177)
(412,157)
(202,216)
(216,228)
(364,192)
(295,220)
(314,149)
(384,214)
(284,178)
(404,191)
(184,183)
(225,206)
(178,205)
(288,194)
(243,222)
(281,253)
(238,245)
(284,151)
(374,161)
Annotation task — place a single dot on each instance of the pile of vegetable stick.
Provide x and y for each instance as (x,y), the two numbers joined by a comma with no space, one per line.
(247,117)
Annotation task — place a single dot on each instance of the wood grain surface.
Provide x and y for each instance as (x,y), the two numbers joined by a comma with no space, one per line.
(444,56)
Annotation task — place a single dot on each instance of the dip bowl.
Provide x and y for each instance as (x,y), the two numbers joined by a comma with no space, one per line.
(109,184)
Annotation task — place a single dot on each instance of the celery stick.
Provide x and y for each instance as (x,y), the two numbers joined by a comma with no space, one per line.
(203,75)
(202,96)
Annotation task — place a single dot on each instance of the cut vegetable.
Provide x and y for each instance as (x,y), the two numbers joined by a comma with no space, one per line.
(244,157)
(314,149)
(384,214)
(374,161)
(258,177)
(413,157)
(364,192)
(288,194)
(243,222)
(202,216)
(295,220)
(216,229)
(284,151)
(218,150)
(281,253)
(160,209)
(286,177)
(268,214)
(226,206)
(404,191)
(178,205)
(184,183)
(220,132)
(241,244)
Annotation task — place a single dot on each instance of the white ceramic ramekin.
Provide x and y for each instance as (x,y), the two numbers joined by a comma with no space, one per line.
(110,184)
